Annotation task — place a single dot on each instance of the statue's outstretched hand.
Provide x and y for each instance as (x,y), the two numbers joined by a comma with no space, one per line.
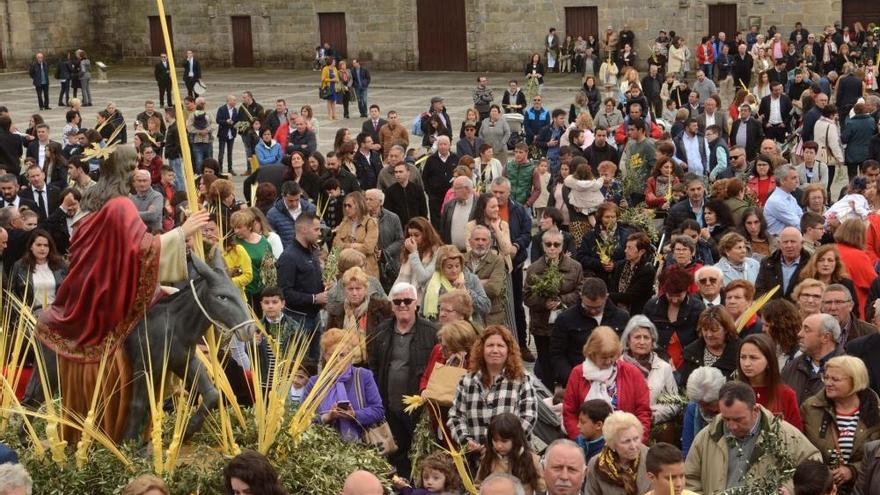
(195,222)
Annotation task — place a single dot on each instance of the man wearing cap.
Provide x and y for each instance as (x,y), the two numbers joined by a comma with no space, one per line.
(439,109)
(470,143)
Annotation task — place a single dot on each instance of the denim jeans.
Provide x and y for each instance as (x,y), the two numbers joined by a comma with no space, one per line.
(362,100)
(177,165)
(200,152)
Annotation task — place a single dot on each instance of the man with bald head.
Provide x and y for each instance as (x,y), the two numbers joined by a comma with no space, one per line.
(457,212)
(362,483)
(437,175)
(564,468)
(149,202)
(783,267)
(501,484)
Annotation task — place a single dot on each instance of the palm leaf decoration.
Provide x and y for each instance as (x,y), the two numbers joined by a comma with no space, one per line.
(754,308)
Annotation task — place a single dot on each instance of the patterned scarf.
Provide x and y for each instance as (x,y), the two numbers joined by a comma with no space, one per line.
(643,364)
(626,276)
(611,470)
(356,321)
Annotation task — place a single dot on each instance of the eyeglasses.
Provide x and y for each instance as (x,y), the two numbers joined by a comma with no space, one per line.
(736,157)
(837,303)
(705,281)
(553,244)
(402,302)
(811,296)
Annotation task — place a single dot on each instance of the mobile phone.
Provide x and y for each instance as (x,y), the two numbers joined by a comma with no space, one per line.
(343,404)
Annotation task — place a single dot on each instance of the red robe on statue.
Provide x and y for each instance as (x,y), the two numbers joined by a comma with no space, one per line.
(112,279)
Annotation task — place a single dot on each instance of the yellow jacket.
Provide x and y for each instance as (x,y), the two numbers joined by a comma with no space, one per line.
(237,257)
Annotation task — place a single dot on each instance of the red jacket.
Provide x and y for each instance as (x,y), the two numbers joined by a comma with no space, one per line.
(632,392)
(872,238)
(281,135)
(651,197)
(705,55)
(784,405)
(620,136)
(861,271)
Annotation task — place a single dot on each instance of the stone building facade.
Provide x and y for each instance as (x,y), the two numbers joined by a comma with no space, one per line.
(498,35)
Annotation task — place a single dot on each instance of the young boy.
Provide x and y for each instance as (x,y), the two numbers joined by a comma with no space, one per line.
(813,478)
(665,466)
(278,325)
(307,369)
(591,417)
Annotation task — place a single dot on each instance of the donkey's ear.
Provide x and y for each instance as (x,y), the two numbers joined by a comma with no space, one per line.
(217,261)
(201,267)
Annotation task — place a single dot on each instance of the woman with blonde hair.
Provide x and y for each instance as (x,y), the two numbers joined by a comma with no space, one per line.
(455,340)
(584,122)
(358,230)
(261,225)
(808,297)
(603,375)
(620,468)
(361,310)
(146,484)
(451,274)
(842,418)
(260,253)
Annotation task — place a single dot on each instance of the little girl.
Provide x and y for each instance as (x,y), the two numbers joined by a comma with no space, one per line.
(509,452)
(540,188)
(438,477)
(855,204)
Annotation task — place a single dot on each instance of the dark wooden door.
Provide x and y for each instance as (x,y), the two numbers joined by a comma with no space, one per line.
(157,41)
(864,11)
(242,41)
(582,21)
(442,35)
(722,17)
(332,28)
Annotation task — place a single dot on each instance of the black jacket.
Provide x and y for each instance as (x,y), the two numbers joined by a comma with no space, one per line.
(867,348)
(692,358)
(798,374)
(595,155)
(446,219)
(678,213)
(379,347)
(437,175)
(56,226)
(64,70)
(588,252)
(347,180)
(367,127)
(571,331)
(299,277)
(784,109)
(656,309)
(640,289)
(754,136)
(406,203)
(53,196)
(162,74)
(21,281)
(770,274)
(367,169)
(172,142)
(11,148)
(196,70)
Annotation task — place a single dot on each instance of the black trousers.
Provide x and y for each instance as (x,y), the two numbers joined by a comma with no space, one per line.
(775,132)
(228,144)
(64,94)
(434,204)
(190,86)
(165,91)
(519,311)
(42,95)
(402,427)
(544,367)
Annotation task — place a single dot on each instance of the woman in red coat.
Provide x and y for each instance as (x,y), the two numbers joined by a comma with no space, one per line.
(604,376)
(758,366)
(850,241)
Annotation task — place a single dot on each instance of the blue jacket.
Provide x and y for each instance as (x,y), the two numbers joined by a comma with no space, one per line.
(692,424)
(533,122)
(268,155)
(281,221)
(299,277)
(591,447)
(857,134)
(367,169)
(359,385)
(520,231)
(223,128)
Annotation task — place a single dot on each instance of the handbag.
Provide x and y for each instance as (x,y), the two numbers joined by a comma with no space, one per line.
(378,435)
(443,384)
(324,92)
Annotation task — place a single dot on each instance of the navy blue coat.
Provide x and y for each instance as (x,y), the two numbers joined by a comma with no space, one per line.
(299,277)
(533,122)
(281,221)
(520,231)
(857,134)
(222,127)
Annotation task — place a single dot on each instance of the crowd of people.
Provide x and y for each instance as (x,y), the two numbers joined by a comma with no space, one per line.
(691,273)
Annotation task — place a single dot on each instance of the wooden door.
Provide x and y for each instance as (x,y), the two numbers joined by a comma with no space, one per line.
(242,41)
(581,21)
(864,11)
(157,41)
(722,17)
(442,35)
(332,28)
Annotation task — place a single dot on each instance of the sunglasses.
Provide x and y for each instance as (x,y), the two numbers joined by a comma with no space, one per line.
(705,281)
(402,302)
(736,157)
(553,244)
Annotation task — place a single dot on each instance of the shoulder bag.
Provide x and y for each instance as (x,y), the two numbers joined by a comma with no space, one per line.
(443,384)
(378,435)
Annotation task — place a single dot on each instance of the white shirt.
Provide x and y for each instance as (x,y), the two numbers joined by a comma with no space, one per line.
(710,119)
(37,194)
(41,158)
(189,63)
(295,213)
(775,113)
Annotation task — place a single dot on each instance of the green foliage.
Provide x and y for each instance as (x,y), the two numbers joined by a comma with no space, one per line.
(774,455)
(640,217)
(547,284)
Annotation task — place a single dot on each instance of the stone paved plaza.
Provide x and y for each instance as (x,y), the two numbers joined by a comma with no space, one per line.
(407,92)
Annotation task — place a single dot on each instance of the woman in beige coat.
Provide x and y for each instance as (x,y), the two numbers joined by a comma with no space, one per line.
(358,230)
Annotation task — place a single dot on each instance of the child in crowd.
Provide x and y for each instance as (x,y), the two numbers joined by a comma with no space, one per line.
(318,62)
(330,204)
(591,417)
(306,369)
(438,477)
(540,188)
(279,327)
(813,478)
(855,204)
(665,466)
(509,452)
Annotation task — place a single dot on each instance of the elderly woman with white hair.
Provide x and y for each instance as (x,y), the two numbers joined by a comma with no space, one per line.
(639,341)
(703,387)
(619,469)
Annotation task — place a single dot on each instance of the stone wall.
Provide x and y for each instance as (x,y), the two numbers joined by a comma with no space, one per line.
(500,33)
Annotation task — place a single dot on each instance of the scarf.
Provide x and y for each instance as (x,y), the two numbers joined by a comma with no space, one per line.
(611,470)
(602,382)
(644,364)
(432,293)
(663,183)
(626,276)
(355,321)
(348,428)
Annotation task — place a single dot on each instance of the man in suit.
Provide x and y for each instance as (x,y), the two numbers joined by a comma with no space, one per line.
(742,66)
(192,73)
(437,175)
(373,125)
(39,72)
(162,74)
(9,189)
(746,132)
(37,149)
(45,196)
(227,116)
(775,113)
(360,82)
(711,116)
(457,212)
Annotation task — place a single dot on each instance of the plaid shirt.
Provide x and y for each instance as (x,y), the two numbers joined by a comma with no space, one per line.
(474,406)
